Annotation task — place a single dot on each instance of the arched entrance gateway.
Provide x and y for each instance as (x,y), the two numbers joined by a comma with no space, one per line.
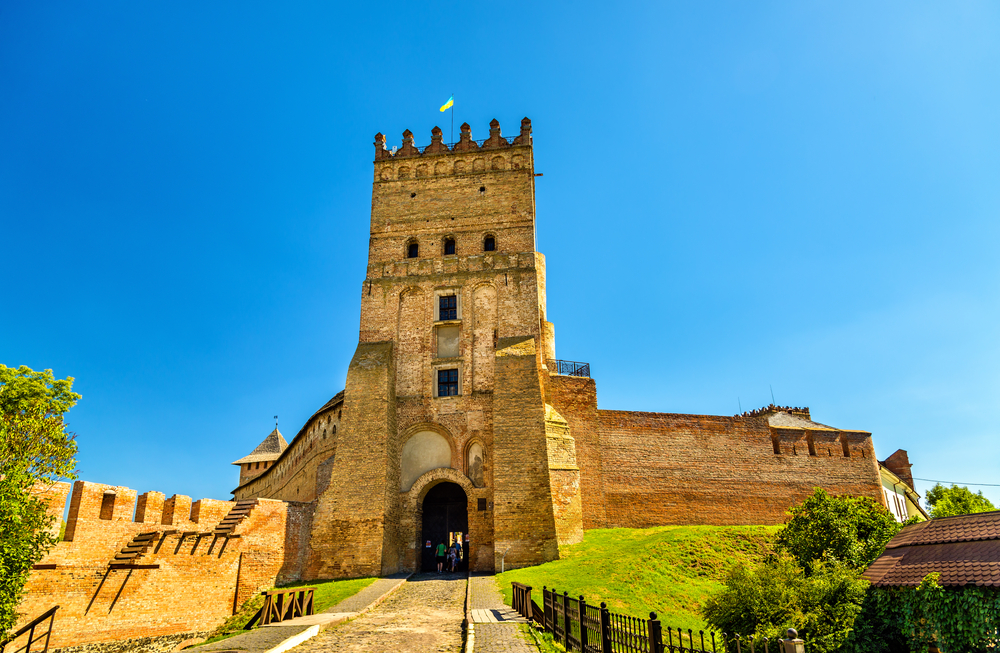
(445,519)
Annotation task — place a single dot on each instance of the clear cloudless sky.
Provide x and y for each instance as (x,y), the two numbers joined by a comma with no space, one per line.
(737,197)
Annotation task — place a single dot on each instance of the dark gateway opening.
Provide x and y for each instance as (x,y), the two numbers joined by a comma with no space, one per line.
(445,515)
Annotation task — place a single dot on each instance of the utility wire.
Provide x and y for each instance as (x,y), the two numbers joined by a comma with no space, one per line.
(931,480)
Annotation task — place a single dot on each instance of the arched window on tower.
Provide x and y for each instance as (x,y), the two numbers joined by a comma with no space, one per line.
(489,244)
(449,246)
(412,249)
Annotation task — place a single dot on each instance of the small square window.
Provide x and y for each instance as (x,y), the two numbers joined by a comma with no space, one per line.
(412,250)
(448,307)
(481,504)
(449,247)
(447,383)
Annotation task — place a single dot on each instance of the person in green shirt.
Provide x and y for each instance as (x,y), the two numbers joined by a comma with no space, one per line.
(439,555)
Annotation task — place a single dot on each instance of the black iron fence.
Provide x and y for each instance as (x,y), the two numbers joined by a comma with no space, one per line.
(582,626)
(570,368)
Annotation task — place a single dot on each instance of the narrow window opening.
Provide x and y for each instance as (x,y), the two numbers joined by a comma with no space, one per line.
(489,244)
(776,445)
(845,446)
(412,195)
(449,246)
(811,443)
(108,505)
(447,383)
(482,190)
(412,250)
(448,307)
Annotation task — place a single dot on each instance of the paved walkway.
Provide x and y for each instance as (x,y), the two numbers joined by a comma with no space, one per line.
(266,638)
(423,616)
(494,626)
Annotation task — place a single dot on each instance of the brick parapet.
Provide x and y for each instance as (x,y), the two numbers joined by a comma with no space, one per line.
(179,583)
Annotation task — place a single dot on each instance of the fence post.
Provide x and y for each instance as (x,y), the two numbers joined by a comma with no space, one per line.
(527,603)
(793,644)
(583,624)
(566,620)
(656,635)
(605,628)
(545,609)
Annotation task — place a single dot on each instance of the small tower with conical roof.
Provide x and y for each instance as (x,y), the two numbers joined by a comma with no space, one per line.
(261,458)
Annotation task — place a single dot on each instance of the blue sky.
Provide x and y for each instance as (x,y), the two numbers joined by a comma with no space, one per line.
(738,197)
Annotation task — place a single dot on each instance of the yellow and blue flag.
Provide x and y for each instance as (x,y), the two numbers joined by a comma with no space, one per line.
(449,104)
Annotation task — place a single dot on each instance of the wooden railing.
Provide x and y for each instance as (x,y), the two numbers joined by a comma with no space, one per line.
(281,605)
(29,628)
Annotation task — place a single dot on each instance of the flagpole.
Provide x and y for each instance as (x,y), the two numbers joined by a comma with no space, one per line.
(452,117)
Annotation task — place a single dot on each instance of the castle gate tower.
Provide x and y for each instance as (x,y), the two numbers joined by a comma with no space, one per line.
(448,381)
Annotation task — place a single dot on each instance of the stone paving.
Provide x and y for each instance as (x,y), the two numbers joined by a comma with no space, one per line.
(423,616)
(503,637)
(368,595)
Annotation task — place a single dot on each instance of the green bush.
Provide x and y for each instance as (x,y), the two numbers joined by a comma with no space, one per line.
(853,530)
(903,619)
(766,599)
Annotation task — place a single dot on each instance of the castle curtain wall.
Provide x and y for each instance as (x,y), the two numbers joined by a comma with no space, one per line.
(663,468)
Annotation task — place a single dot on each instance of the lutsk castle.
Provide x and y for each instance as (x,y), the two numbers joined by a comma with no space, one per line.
(457,420)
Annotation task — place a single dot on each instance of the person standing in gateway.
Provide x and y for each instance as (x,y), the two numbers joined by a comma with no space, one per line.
(439,555)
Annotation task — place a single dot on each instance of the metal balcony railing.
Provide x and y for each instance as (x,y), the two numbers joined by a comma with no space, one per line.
(569,368)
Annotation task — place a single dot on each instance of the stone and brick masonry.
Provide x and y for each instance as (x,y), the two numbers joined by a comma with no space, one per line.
(454,292)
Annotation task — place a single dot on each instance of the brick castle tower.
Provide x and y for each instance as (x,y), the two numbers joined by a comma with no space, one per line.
(445,388)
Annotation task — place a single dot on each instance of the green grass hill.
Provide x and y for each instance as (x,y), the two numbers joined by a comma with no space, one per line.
(669,570)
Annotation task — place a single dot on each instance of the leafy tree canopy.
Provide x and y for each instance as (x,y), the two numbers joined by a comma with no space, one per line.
(853,530)
(954,500)
(35,450)
(766,599)
(24,389)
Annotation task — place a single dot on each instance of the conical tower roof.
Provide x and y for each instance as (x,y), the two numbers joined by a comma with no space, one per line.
(269,449)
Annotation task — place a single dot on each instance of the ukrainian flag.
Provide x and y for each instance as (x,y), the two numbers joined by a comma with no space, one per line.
(449,104)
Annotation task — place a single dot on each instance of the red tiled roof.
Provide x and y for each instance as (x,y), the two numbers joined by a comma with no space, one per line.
(964,550)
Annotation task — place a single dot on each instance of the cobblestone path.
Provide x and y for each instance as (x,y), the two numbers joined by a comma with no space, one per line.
(495,637)
(423,616)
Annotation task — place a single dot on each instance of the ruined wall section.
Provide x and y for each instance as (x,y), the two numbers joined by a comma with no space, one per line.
(294,475)
(564,478)
(663,468)
(186,580)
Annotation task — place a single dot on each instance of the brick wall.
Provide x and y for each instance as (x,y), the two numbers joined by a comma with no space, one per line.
(196,584)
(663,468)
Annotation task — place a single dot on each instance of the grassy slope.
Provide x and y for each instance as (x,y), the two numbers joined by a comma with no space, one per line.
(669,570)
(328,594)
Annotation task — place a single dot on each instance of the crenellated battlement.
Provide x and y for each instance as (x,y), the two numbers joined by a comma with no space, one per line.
(465,144)
(98,504)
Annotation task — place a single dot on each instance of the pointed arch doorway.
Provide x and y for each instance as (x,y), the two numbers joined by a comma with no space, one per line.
(445,516)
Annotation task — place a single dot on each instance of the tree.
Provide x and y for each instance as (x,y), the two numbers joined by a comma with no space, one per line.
(777,594)
(854,530)
(36,450)
(954,500)
(813,583)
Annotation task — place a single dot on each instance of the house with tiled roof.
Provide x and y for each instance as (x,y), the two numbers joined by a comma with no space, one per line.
(964,550)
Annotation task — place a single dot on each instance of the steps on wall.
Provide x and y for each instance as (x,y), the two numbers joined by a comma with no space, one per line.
(239,512)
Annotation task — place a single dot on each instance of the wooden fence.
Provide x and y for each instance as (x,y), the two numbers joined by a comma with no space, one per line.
(281,605)
(582,626)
